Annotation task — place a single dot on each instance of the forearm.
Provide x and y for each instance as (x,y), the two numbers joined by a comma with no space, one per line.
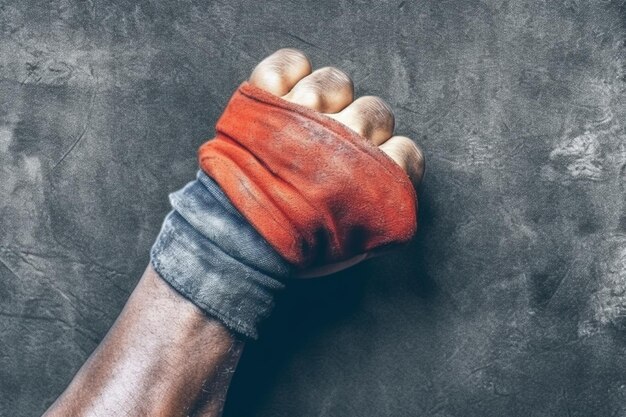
(162,357)
(290,189)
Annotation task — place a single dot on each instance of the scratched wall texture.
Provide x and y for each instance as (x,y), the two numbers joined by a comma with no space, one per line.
(512,300)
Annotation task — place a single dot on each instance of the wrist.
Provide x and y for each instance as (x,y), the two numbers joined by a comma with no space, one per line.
(213,257)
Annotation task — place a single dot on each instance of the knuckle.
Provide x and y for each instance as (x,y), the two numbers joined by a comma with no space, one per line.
(407,146)
(336,76)
(289,57)
(403,146)
(332,79)
(377,105)
(412,153)
(290,53)
(268,78)
(308,96)
(408,155)
(281,62)
(377,111)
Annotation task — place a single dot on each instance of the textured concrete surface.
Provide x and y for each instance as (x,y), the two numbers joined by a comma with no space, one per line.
(512,301)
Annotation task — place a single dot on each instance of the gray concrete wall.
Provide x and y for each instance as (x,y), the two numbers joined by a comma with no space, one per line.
(512,300)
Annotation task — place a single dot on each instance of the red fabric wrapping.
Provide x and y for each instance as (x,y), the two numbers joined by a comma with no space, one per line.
(314,189)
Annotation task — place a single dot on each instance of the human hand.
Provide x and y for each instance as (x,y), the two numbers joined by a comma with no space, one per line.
(317,209)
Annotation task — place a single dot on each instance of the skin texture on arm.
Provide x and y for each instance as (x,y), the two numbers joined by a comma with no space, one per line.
(164,356)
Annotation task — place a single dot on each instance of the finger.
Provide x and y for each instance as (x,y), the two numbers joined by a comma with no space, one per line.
(326,90)
(406,154)
(279,72)
(369,116)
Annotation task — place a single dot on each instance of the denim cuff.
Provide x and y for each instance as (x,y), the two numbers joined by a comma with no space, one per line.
(209,253)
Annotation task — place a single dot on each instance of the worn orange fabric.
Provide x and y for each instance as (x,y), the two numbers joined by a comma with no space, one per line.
(313,188)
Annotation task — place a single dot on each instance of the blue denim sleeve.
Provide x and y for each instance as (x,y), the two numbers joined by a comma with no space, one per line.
(210,254)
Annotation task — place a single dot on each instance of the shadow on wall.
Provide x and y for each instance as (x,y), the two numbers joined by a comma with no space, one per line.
(310,308)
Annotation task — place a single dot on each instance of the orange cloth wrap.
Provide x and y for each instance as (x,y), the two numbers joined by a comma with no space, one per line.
(317,191)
